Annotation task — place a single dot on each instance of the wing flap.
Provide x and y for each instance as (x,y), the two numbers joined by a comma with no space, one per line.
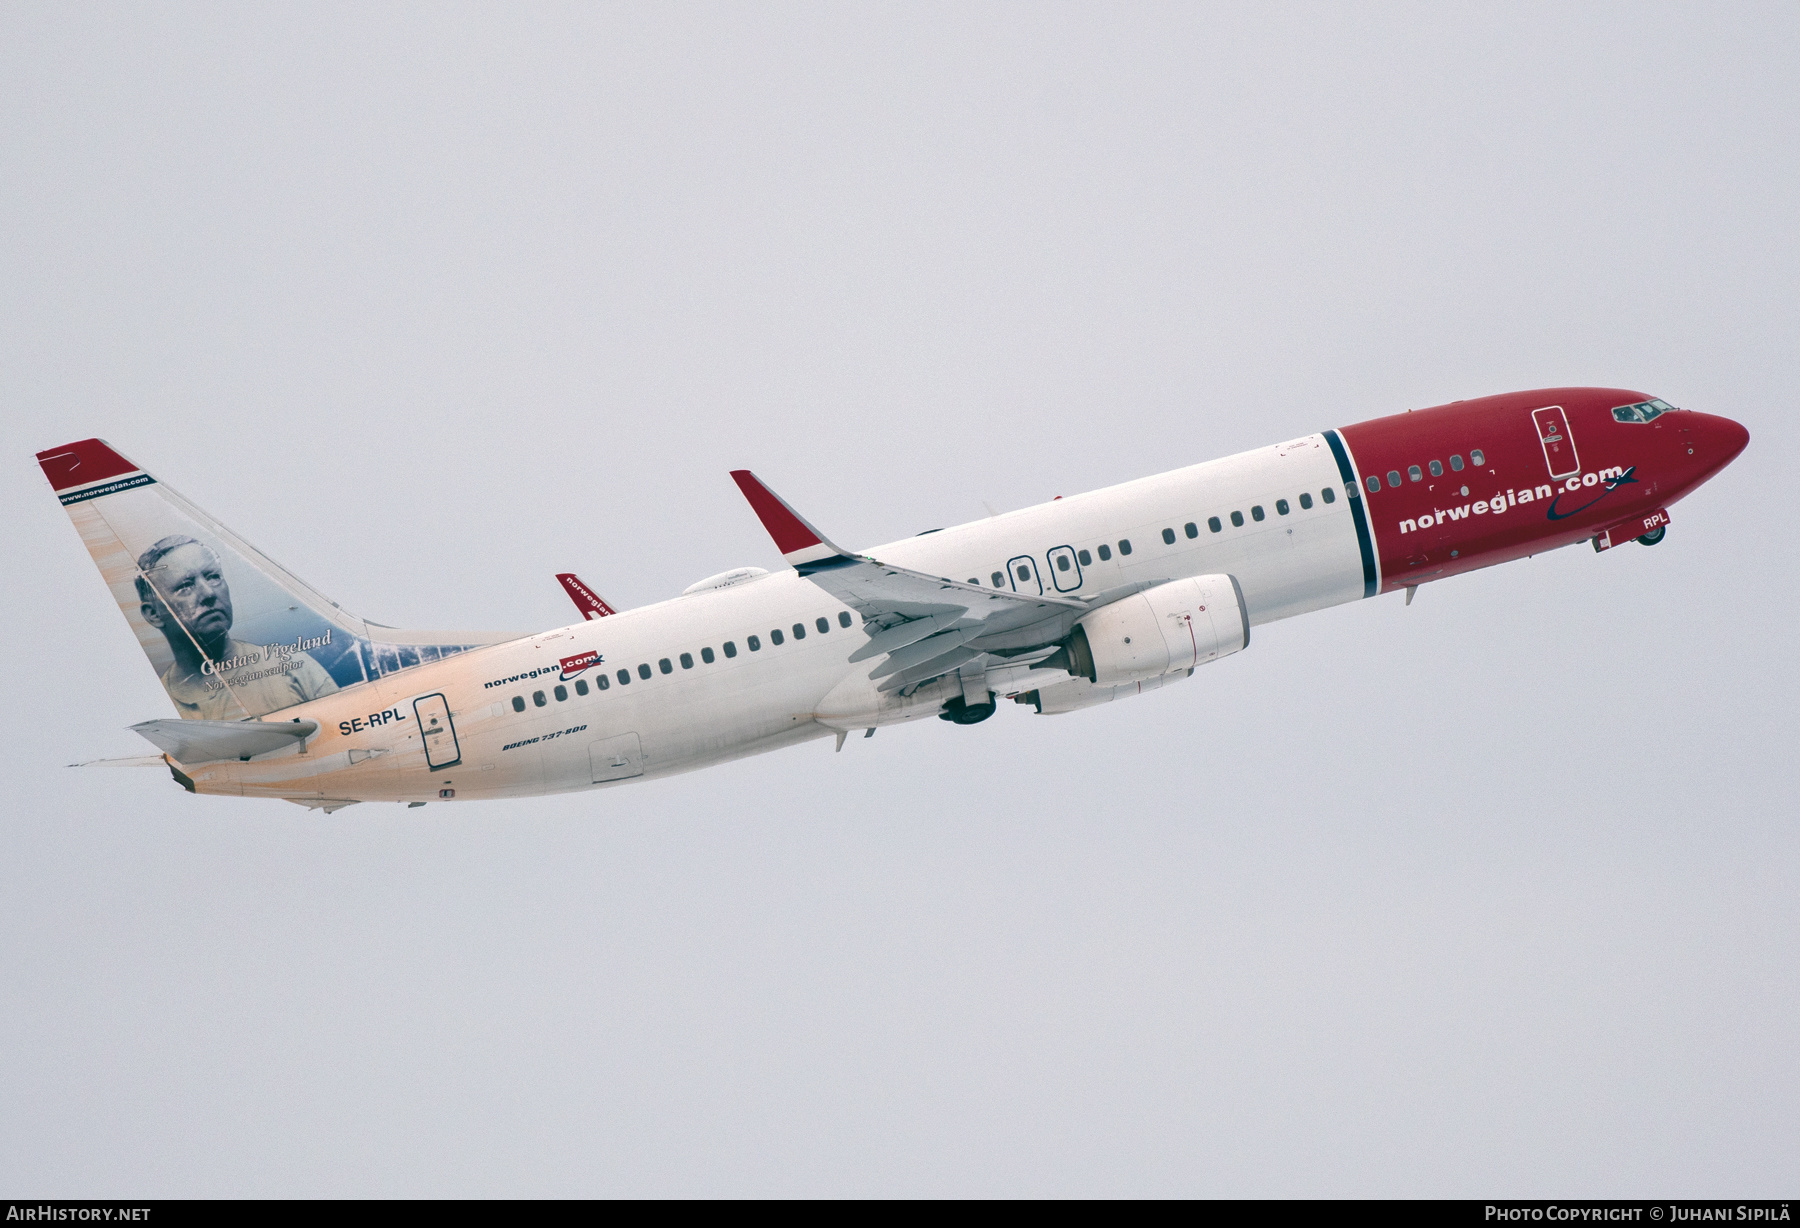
(936,667)
(924,650)
(905,633)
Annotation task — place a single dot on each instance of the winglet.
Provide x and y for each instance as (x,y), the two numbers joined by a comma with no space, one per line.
(797,540)
(591,604)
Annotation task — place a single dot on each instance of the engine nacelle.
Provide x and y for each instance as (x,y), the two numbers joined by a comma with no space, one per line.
(1172,627)
(1078,693)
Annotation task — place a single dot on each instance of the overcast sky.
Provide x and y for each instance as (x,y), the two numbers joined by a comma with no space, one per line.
(1492,895)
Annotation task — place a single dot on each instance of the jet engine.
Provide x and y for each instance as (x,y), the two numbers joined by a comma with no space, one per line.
(1172,627)
(1078,693)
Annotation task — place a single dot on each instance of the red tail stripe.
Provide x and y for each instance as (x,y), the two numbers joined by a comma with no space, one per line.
(82,463)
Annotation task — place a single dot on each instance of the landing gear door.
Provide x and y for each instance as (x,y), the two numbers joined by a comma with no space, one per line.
(1559,444)
(1023,573)
(436,732)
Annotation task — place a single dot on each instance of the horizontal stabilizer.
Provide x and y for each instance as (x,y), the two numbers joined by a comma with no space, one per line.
(189,741)
(128,761)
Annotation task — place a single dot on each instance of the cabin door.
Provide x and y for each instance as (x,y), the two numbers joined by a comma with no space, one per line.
(1559,444)
(436,732)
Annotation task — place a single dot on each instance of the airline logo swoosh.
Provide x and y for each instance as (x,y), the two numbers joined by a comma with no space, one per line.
(1611,484)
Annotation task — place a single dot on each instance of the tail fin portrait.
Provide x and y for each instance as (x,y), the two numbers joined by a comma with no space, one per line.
(231,634)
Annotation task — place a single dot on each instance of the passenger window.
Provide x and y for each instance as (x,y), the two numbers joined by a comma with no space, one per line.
(625,677)
(998,579)
(1412,471)
(1062,562)
(581,686)
(1256,513)
(799,631)
(1212,522)
(974,579)
(706,655)
(1456,462)
(1168,537)
(687,661)
(644,672)
(537,697)
(518,703)
(822,624)
(560,691)
(1281,507)
(1374,483)
(844,616)
(665,665)
(1305,500)
(1105,552)
(1330,495)
(1084,558)
(1124,545)
(776,638)
(1437,469)
(1393,477)
(1191,529)
(601,682)
(755,644)
(1237,520)
(730,648)
(1476,458)
(1024,572)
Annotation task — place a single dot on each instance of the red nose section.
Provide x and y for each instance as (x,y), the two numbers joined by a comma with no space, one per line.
(1719,440)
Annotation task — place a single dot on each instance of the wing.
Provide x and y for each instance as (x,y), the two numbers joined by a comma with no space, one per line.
(922,626)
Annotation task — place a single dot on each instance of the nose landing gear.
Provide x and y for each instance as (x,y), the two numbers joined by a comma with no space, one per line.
(1654,535)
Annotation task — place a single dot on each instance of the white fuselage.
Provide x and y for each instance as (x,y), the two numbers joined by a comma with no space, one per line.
(369,746)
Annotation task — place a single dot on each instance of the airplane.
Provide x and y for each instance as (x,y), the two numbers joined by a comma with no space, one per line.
(1070,604)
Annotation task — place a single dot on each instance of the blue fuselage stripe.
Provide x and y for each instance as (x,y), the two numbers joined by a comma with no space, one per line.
(1351,484)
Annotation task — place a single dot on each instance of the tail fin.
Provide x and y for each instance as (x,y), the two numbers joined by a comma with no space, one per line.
(231,633)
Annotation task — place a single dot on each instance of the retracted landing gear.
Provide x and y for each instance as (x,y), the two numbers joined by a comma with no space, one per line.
(962,712)
(1654,535)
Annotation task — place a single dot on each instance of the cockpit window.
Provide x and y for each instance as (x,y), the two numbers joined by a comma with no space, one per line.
(1643,411)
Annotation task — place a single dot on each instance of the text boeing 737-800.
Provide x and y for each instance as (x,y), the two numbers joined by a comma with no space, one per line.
(1061,606)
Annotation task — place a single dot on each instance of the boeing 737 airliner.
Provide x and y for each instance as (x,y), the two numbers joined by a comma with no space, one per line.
(1072,603)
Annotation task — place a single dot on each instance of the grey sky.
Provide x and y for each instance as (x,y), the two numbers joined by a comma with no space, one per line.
(1490,895)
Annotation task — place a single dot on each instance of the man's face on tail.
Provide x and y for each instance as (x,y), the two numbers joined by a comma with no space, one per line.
(190,580)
